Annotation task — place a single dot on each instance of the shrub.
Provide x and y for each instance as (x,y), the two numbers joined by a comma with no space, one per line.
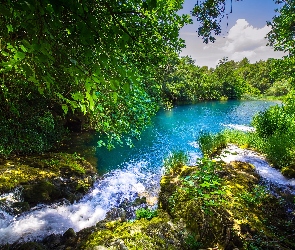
(29,134)
(280,149)
(273,120)
(279,88)
(145,213)
(174,161)
(210,143)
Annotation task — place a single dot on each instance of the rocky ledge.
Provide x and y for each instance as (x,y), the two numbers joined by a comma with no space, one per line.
(29,180)
(212,205)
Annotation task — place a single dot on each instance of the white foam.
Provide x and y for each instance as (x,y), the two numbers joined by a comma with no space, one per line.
(234,153)
(240,127)
(108,192)
(194,144)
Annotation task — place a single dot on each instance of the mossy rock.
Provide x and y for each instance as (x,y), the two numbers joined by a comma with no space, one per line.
(157,233)
(249,218)
(26,246)
(243,166)
(289,171)
(43,191)
(48,177)
(168,186)
(20,207)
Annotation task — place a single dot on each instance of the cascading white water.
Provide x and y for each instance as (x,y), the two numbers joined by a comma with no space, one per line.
(234,153)
(107,193)
(239,127)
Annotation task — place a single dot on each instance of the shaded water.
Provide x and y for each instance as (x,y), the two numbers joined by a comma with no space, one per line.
(131,172)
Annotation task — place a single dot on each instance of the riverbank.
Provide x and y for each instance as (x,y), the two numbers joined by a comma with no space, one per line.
(211,205)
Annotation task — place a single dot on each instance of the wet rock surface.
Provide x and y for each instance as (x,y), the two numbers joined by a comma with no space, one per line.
(234,212)
(30,180)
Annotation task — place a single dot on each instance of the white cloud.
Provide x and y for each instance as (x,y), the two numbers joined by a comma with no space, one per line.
(242,40)
(237,56)
(244,37)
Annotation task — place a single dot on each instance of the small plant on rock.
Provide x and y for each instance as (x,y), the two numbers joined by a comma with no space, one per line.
(210,143)
(145,213)
(174,161)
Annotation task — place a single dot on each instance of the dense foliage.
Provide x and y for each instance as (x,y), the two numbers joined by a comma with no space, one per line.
(185,82)
(282,33)
(107,65)
(91,62)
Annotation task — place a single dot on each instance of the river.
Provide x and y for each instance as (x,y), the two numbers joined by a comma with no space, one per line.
(129,172)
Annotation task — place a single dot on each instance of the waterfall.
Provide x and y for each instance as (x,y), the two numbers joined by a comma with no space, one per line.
(268,173)
(109,192)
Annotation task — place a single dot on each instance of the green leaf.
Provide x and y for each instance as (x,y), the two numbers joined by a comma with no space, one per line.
(78,96)
(23,48)
(19,55)
(90,100)
(115,97)
(68,31)
(207,196)
(114,84)
(205,184)
(33,79)
(28,71)
(126,87)
(88,85)
(65,108)
(9,28)
(26,43)
(4,53)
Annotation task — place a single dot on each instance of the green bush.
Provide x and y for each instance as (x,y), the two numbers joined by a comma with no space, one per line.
(276,127)
(174,161)
(27,126)
(273,120)
(279,88)
(280,149)
(145,213)
(244,139)
(210,143)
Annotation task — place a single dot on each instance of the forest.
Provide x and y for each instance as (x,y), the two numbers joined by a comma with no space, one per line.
(63,69)
(109,67)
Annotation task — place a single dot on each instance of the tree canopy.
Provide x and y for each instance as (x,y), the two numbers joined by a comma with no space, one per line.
(107,64)
(92,59)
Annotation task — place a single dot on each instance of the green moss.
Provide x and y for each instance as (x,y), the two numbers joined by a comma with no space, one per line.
(157,233)
(40,192)
(20,207)
(289,171)
(47,177)
(249,217)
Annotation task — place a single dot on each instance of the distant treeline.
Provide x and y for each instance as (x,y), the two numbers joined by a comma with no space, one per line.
(184,81)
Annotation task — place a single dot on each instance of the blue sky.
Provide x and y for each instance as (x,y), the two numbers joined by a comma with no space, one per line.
(243,37)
